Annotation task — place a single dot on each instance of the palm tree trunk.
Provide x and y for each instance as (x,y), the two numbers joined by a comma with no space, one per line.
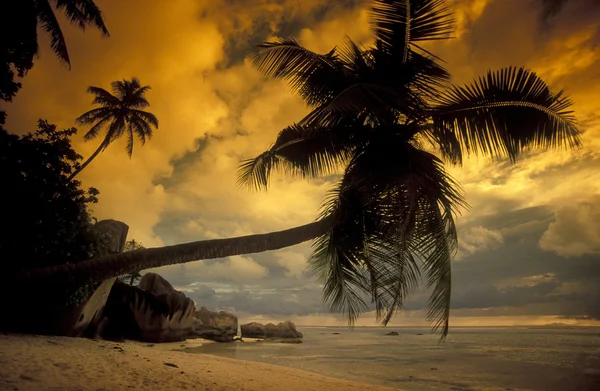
(99,269)
(102,146)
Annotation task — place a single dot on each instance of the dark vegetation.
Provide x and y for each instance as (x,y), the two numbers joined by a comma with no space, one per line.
(50,219)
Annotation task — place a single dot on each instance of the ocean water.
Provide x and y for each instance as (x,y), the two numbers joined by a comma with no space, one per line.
(471,359)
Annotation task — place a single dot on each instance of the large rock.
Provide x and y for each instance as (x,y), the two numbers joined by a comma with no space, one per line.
(117,231)
(158,314)
(217,326)
(253,330)
(282,331)
(158,286)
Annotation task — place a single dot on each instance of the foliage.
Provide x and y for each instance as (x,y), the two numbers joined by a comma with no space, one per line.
(19,22)
(47,216)
(374,111)
(120,112)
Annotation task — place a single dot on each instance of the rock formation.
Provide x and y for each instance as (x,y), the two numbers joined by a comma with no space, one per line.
(216,326)
(282,331)
(253,330)
(118,234)
(153,311)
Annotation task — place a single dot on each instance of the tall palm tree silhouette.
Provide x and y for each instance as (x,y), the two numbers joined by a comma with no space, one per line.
(120,113)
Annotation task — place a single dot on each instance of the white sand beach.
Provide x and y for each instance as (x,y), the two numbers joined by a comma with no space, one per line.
(36,363)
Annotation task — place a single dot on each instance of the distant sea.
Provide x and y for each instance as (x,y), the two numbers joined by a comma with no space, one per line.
(471,359)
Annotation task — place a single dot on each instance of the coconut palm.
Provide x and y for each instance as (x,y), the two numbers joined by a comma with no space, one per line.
(120,113)
(19,21)
(387,118)
(374,113)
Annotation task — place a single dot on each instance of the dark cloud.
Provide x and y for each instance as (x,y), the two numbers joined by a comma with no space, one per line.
(551,7)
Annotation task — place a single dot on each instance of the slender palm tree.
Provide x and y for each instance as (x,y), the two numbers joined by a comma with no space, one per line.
(121,113)
(19,21)
(375,113)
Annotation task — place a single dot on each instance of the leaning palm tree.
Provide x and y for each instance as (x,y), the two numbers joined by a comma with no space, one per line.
(376,113)
(120,113)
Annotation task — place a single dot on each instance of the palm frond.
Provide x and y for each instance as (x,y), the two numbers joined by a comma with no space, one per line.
(429,76)
(124,88)
(82,13)
(103,97)
(146,117)
(129,146)
(315,151)
(94,130)
(141,91)
(254,173)
(315,77)
(358,99)
(336,258)
(116,128)
(136,99)
(50,24)
(140,127)
(505,113)
(305,151)
(442,245)
(93,115)
(400,23)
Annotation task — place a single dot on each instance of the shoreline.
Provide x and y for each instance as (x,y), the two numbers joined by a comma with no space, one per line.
(38,362)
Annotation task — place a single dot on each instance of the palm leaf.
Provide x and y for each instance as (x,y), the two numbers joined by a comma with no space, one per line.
(309,152)
(315,77)
(120,88)
(103,97)
(146,117)
(94,130)
(93,115)
(336,258)
(129,146)
(400,23)
(116,128)
(503,114)
(255,173)
(141,128)
(50,24)
(82,13)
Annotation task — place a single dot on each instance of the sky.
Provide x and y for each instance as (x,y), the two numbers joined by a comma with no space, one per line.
(529,244)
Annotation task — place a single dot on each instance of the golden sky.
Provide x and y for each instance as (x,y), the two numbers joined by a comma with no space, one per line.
(530,244)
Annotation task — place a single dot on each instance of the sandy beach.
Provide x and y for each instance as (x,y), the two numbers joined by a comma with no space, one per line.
(35,363)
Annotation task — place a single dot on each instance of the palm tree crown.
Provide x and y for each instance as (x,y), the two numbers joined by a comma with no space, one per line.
(121,113)
(374,112)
